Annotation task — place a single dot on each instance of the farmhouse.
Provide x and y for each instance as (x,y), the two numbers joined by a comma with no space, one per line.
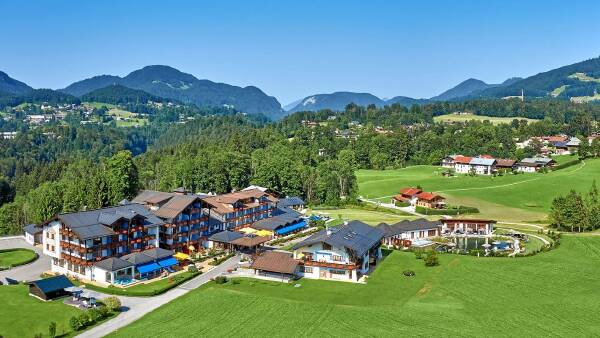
(462,164)
(482,165)
(506,164)
(566,147)
(340,253)
(405,232)
(533,164)
(430,200)
(467,226)
(407,195)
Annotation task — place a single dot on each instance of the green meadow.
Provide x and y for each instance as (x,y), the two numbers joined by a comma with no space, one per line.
(472,117)
(550,294)
(515,198)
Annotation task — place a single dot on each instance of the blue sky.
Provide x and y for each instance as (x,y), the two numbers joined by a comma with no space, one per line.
(294,49)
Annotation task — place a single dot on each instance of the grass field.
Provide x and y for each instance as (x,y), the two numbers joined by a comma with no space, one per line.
(367,216)
(24,316)
(471,117)
(550,294)
(16,257)
(515,198)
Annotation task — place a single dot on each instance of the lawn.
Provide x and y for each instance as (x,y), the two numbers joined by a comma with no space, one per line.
(550,294)
(513,198)
(471,117)
(16,257)
(147,289)
(371,217)
(24,316)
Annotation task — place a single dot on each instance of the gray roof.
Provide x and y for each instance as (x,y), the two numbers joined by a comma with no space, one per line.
(32,229)
(281,217)
(137,258)
(482,161)
(226,236)
(536,160)
(113,264)
(158,253)
(95,223)
(406,225)
(290,202)
(356,236)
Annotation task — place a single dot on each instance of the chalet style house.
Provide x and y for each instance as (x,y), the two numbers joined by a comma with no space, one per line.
(341,253)
(405,232)
(184,222)
(533,164)
(418,197)
(480,165)
(83,244)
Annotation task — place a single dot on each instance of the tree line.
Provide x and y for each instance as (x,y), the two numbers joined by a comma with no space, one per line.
(576,211)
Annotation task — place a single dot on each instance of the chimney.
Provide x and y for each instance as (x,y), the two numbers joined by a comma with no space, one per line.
(327,230)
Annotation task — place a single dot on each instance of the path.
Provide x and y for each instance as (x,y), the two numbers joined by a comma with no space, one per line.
(407,210)
(139,306)
(25,272)
(523,224)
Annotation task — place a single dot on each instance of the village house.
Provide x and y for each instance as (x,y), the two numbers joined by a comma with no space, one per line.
(533,164)
(276,264)
(505,164)
(341,253)
(458,226)
(566,147)
(405,232)
(417,197)
(482,165)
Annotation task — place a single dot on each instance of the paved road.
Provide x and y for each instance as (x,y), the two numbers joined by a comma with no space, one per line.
(139,306)
(26,272)
(408,210)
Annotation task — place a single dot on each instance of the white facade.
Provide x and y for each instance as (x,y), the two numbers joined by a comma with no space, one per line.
(413,235)
(483,169)
(526,169)
(466,226)
(462,168)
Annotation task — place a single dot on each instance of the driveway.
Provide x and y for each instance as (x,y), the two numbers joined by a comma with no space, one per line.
(26,272)
(136,307)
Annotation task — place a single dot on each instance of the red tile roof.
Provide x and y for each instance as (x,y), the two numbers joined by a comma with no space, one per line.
(429,196)
(463,159)
(410,191)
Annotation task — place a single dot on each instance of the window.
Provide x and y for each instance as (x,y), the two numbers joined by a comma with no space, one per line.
(326,246)
(337,272)
(337,258)
(308,269)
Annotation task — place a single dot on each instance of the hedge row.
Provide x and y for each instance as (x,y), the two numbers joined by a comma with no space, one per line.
(177,280)
(566,164)
(35,256)
(450,211)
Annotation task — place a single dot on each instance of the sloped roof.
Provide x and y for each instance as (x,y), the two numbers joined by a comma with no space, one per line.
(158,253)
(462,159)
(250,240)
(52,284)
(536,160)
(32,229)
(225,236)
(502,162)
(356,236)
(94,223)
(290,202)
(281,217)
(223,203)
(152,197)
(175,205)
(410,191)
(428,196)
(113,264)
(482,161)
(275,261)
(137,258)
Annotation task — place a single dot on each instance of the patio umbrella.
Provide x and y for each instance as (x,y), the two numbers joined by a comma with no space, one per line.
(485,245)
(90,294)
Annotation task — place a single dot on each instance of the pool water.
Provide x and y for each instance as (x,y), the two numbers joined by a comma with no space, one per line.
(124,281)
(475,243)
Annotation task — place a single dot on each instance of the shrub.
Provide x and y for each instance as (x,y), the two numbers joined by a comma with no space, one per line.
(408,273)
(94,315)
(221,280)
(84,319)
(192,268)
(431,259)
(113,303)
(461,209)
(103,311)
(419,254)
(402,204)
(75,324)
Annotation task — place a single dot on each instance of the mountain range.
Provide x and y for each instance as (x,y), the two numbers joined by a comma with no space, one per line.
(580,81)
